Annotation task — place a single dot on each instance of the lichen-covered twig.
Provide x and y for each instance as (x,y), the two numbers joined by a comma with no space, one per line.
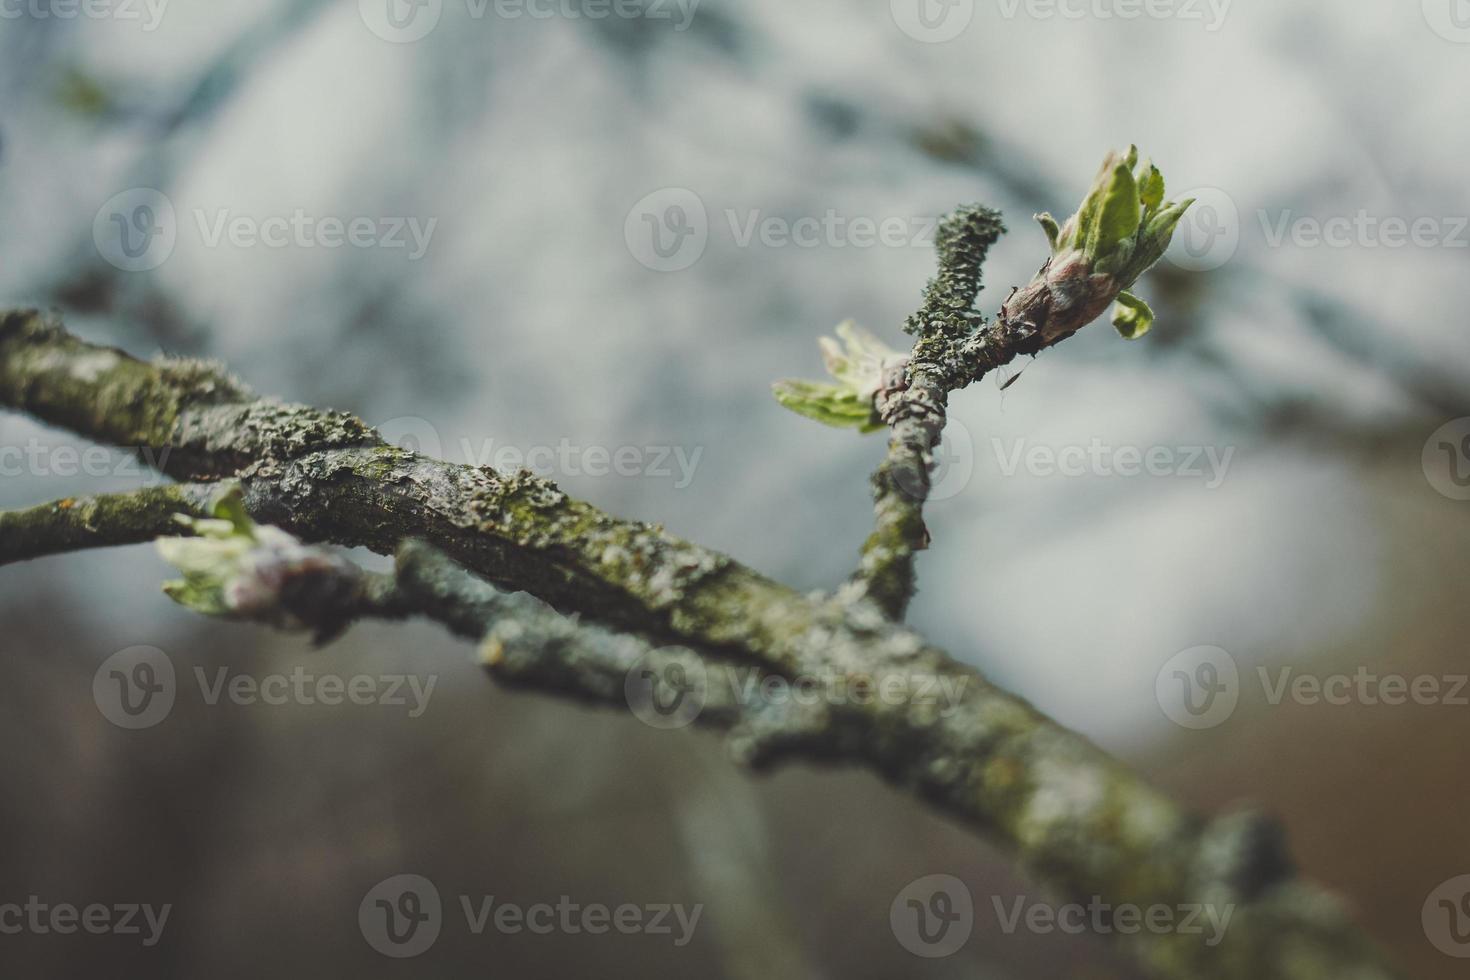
(912,403)
(102,521)
(1070,814)
(525,643)
(1121,229)
(276,580)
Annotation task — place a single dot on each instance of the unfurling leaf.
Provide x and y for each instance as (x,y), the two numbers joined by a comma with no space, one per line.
(829,404)
(1111,241)
(1151,188)
(1132,316)
(1049,225)
(857,364)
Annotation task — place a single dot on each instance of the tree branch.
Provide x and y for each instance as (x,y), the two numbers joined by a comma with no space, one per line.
(98,522)
(527,644)
(913,399)
(1069,813)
